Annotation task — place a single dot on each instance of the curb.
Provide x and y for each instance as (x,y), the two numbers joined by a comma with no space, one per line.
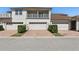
(44,37)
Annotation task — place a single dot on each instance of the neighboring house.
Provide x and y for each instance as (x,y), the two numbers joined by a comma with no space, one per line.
(37,18)
(66,22)
(62,20)
(5,19)
(75,23)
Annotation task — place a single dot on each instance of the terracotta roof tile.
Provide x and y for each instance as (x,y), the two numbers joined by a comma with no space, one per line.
(60,17)
(75,17)
(5,20)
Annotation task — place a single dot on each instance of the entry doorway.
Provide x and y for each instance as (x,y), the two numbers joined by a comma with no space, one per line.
(73,25)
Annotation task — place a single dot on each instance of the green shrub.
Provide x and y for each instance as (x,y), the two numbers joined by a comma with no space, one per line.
(1,28)
(21,28)
(53,28)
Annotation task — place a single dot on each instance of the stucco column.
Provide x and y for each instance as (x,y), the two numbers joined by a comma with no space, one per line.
(50,12)
(26,20)
(24,16)
(77,25)
(37,14)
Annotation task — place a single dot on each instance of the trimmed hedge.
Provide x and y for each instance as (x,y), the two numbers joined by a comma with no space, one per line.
(53,28)
(1,28)
(21,28)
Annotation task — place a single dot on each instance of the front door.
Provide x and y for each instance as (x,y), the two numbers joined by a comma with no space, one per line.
(73,25)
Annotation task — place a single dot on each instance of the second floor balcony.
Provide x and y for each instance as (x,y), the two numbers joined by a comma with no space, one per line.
(6,15)
(37,14)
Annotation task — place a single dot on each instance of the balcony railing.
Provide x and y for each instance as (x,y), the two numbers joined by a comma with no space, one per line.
(6,15)
(37,16)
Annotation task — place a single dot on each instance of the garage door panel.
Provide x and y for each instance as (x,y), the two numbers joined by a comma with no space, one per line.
(37,26)
(11,27)
(63,26)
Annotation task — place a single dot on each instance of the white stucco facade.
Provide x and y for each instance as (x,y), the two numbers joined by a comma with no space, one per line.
(19,18)
(77,25)
(23,18)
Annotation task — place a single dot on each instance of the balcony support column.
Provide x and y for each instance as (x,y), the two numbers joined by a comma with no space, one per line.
(37,14)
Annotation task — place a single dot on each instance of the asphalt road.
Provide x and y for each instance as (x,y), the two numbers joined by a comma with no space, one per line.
(39,44)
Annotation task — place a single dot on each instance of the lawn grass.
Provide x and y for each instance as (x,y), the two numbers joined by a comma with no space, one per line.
(57,34)
(17,34)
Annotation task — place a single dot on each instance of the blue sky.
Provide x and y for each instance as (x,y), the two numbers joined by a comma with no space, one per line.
(72,11)
(4,9)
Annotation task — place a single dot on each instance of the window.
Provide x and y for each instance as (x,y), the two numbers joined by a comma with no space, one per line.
(43,14)
(31,14)
(18,12)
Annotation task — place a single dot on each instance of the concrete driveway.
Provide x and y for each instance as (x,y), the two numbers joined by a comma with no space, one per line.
(69,33)
(7,33)
(38,33)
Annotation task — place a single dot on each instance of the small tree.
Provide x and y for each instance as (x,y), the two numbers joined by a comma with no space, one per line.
(53,28)
(21,28)
(1,28)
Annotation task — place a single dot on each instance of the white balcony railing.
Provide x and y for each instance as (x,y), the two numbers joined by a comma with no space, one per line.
(6,15)
(37,16)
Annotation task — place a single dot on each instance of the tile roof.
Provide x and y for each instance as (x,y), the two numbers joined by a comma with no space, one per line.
(75,17)
(28,8)
(5,20)
(60,17)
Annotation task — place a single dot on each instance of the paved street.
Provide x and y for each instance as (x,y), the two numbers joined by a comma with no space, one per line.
(39,44)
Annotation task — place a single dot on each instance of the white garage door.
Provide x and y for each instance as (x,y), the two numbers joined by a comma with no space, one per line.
(12,27)
(37,26)
(63,26)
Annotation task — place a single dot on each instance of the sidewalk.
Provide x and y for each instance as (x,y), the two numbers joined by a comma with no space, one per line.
(41,37)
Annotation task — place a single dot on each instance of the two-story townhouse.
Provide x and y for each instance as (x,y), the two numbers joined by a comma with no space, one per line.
(35,18)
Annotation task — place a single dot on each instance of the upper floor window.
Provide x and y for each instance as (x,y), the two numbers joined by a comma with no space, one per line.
(18,12)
